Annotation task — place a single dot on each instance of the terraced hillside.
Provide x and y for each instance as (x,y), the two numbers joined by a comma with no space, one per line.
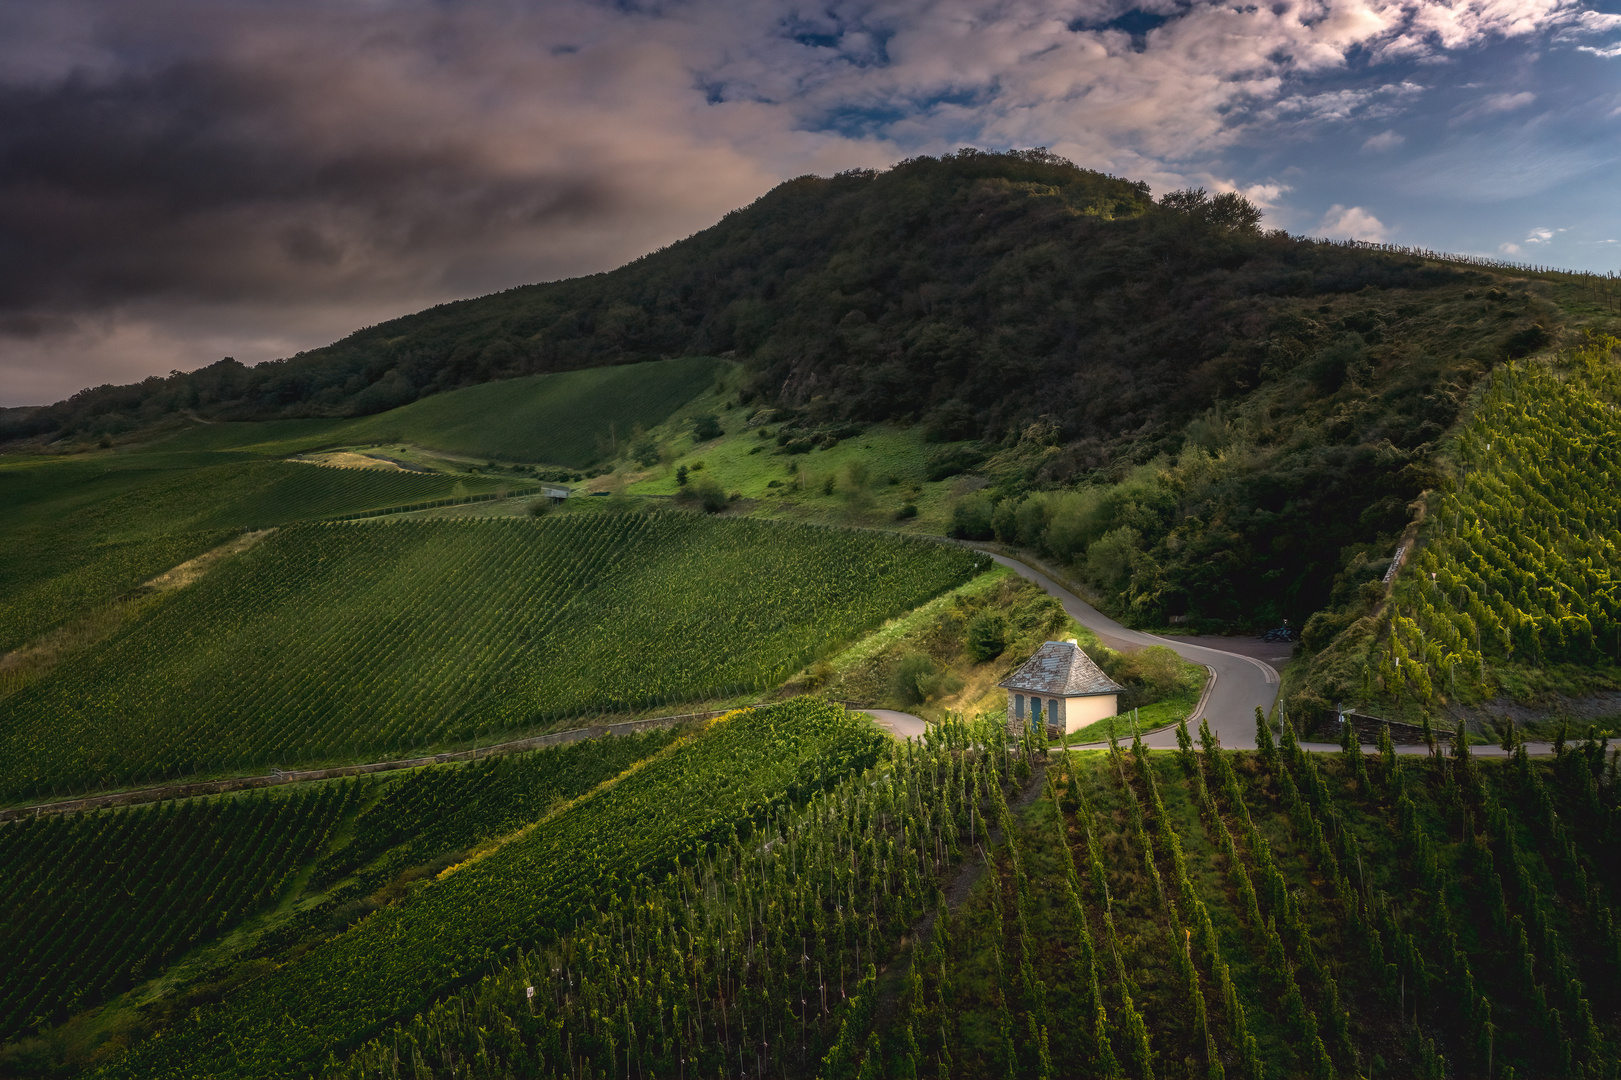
(335,641)
(1512,584)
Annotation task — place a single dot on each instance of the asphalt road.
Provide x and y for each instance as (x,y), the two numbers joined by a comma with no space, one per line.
(899,724)
(1242,682)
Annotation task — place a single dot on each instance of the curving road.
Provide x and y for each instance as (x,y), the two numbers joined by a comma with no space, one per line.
(1241,682)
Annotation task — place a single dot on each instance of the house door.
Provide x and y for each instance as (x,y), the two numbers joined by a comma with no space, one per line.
(1035,715)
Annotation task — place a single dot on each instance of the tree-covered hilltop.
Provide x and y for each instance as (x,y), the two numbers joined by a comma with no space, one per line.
(982,290)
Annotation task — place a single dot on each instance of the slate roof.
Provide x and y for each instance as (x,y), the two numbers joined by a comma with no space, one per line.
(1061,669)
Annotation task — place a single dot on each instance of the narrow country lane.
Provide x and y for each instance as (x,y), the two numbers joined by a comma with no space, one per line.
(1242,682)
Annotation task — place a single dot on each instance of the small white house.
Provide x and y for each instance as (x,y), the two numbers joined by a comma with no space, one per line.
(1060,690)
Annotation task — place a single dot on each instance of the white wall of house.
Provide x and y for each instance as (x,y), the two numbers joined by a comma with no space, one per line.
(1081,711)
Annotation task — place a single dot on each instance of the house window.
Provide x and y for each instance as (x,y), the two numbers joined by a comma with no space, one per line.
(1018,706)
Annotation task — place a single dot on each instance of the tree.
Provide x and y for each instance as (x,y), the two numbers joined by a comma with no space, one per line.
(1229,211)
(707,427)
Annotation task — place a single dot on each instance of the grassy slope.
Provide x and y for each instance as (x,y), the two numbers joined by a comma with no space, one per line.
(565,419)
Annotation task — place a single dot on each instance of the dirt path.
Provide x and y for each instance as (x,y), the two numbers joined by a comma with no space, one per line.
(278,777)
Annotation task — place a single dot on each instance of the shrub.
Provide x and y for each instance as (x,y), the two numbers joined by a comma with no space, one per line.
(971,517)
(707,427)
(705,493)
(987,636)
(1156,672)
(917,679)
(906,512)
(646,452)
(951,460)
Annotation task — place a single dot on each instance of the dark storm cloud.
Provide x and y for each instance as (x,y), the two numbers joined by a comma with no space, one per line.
(201,180)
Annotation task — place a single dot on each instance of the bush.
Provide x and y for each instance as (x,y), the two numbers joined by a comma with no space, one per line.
(951,460)
(646,452)
(1156,672)
(987,636)
(707,427)
(705,493)
(971,517)
(1112,558)
(917,679)
(950,422)
(906,512)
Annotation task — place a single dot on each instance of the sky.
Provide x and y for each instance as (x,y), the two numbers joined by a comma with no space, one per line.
(184,180)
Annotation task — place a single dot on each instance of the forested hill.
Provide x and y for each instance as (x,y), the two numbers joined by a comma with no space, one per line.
(979,291)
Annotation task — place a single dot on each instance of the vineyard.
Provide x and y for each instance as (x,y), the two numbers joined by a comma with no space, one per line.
(1519,565)
(332,641)
(1210,913)
(108,571)
(92,904)
(748,767)
(446,808)
(77,534)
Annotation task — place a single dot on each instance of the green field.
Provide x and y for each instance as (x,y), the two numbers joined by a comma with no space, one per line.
(336,641)
(573,418)
(91,904)
(535,886)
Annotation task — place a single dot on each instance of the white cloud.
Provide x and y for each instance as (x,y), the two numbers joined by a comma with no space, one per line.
(1540,236)
(1352,223)
(1509,249)
(1507,102)
(1385,140)
(1608,54)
